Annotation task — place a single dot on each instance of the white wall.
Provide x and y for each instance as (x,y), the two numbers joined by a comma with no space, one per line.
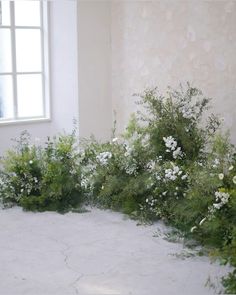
(160,43)
(94,51)
(64,82)
(118,48)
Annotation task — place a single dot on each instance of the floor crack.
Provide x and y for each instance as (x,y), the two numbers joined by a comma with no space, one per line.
(73,284)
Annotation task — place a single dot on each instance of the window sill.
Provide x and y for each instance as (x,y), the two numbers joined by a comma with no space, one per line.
(24,121)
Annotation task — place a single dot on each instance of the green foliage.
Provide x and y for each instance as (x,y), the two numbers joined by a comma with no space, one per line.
(169,164)
(39,178)
(177,113)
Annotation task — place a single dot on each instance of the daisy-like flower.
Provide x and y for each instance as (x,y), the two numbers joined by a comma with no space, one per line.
(221,176)
(234,179)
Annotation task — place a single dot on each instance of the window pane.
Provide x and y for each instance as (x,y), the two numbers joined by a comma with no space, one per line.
(28,50)
(4,13)
(6,97)
(30,95)
(27,13)
(5,50)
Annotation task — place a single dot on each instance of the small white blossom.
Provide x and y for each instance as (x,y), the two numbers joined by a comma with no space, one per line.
(217,206)
(184,177)
(172,174)
(30,162)
(231,167)
(187,112)
(114,139)
(221,176)
(234,179)
(131,169)
(151,165)
(221,199)
(177,153)
(104,157)
(170,143)
(216,163)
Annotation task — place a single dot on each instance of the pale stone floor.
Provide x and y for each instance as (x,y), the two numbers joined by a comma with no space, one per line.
(98,252)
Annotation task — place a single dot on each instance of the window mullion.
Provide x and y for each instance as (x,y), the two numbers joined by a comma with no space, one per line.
(42,56)
(13,46)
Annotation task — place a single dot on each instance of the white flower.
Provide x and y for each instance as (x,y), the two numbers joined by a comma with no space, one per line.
(216,163)
(104,157)
(30,162)
(231,167)
(114,139)
(187,112)
(151,165)
(184,177)
(186,129)
(177,153)
(221,176)
(234,179)
(170,143)
(217,206)
(222,199)
(131,168)
(171,174)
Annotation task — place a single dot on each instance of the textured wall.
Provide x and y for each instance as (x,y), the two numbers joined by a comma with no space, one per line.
(160,43)
(94,52)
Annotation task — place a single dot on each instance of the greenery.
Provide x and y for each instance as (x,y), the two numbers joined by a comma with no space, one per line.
(172,163)
(42,178)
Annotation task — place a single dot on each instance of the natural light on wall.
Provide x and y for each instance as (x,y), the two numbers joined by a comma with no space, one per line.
(24,81)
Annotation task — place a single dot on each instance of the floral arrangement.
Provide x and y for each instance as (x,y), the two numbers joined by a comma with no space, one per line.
(41,178)
(169,164)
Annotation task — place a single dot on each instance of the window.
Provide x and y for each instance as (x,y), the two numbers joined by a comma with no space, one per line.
(24,79)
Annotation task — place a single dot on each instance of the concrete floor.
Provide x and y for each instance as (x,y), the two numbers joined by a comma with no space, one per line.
(99,252)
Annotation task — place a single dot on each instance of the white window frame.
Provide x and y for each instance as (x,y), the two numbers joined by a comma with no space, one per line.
(45,71)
